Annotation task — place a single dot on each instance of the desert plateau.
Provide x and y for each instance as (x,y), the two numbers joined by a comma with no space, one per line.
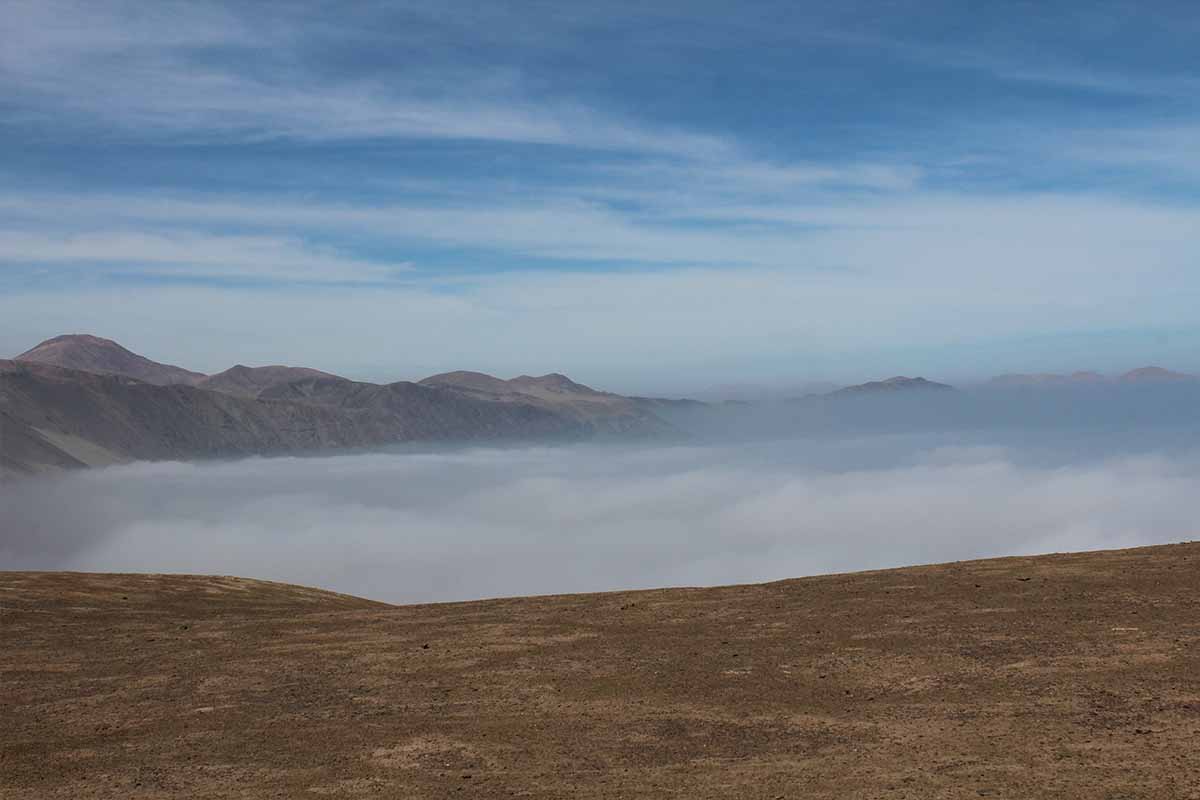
(1059,676)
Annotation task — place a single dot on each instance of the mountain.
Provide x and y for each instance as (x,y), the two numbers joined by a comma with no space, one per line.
(250,381)
(553,387)
(555,392)
(469,381)
(1155,375)
(26,450)
(897,384)
(406,411)
(54,417)
(1056,676)
(95,419)
(106,357)
(1142,375)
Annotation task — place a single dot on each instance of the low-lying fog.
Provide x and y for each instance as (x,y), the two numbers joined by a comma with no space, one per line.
(470,523)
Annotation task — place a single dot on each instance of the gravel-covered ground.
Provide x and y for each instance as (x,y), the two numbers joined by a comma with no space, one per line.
(1070,676)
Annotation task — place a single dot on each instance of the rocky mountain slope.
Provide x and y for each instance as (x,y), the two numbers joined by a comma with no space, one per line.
(415,411)
(94,354)
(554,392)
(899,383)
(251,381)
(53,417)
(98,419)
(1063,676)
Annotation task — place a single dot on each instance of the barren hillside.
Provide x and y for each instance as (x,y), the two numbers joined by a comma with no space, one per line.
(104,356)
(54,418)
(1063,676)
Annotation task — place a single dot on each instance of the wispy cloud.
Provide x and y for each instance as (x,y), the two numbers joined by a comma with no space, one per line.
(727,193)
(192,255)
(917,304)
(1169,152)
(182,69)
(921,233)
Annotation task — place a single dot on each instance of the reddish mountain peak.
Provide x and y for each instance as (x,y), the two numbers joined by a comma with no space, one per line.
(90,353)
(554,382)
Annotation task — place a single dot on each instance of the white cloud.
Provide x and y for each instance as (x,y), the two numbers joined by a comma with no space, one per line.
(143,72)
(838,283)
(768,259)
(1169,150)
(917,233)
(1022,60)
(192,255)
(483,523)
(926,270)
(631,331)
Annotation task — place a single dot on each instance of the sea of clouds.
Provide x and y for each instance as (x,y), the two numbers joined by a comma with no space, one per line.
(452,524)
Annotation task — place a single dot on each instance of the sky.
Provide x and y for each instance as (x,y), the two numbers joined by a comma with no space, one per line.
(651,197)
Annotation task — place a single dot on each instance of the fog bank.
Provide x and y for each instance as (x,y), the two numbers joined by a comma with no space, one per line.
(471,523)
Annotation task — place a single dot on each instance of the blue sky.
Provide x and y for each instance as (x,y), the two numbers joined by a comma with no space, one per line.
(649,196)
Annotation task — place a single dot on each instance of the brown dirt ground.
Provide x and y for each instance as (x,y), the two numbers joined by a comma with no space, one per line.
(1068,676)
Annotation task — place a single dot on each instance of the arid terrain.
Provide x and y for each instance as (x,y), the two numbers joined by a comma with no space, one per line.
(80,400)
(1067,676)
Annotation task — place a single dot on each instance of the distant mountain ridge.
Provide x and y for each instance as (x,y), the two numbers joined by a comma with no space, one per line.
(81,400)
(89,353)
(900,383)
(1155,375)
(1142,375)
(555,392)
(251,381)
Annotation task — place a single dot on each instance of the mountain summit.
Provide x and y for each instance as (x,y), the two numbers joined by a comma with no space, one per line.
(88,353)
(900,383)
(80,400)
(555,392)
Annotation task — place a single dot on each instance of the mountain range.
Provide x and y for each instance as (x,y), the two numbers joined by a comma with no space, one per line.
(81,400)
(1141,375)
(899,383)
